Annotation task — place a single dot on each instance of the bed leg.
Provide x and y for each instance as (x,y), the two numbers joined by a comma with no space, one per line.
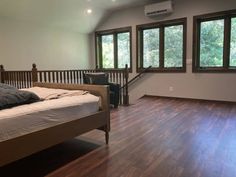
(107,137)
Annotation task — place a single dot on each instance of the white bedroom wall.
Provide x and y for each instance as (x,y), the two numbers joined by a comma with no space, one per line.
(187,85)
(23,43)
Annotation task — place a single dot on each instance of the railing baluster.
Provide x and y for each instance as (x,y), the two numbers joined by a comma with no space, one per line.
(53,77)
(49,76)
(45,76)
(40,76)
(64,77)
(77,76)
(80,77)
(56,73)
(60,76)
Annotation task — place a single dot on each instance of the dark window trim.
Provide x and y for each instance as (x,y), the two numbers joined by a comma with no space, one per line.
(161,25)
(114,32)
(226,15)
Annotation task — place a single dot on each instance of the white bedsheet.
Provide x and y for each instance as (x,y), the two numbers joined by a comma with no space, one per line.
(18,121)
(90,100)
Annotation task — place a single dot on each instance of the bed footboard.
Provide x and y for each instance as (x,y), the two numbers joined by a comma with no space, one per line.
(40,140)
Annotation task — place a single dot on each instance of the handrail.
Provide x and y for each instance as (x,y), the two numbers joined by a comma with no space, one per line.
(138,76)
(26,78)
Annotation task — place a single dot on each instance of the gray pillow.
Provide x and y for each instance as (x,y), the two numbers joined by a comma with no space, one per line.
(96,78)
(14,97)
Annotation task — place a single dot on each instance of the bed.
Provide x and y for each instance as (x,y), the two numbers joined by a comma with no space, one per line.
(17,145)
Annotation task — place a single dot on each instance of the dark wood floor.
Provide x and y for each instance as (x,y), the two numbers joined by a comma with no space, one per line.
(157,137)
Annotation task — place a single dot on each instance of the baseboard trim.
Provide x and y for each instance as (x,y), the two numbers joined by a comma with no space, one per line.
(190,99)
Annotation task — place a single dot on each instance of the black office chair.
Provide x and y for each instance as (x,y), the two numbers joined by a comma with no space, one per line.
(102,79)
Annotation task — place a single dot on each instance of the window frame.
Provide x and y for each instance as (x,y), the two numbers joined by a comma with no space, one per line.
(161,25)
(98,46)
(197,20)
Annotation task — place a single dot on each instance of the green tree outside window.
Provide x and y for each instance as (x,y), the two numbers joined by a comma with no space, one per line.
(212,43)
(173,49)
(123,40)
(233,43)
(107,51)
(151,47)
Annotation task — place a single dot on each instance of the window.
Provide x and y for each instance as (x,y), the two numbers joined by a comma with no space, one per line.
(113,48)
(233,43)
(151,47)
(211,43)
(108,51)
(214,46)
(173,46)
(162,45)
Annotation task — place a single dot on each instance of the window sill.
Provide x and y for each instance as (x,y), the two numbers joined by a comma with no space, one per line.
(162,70)
(214,70)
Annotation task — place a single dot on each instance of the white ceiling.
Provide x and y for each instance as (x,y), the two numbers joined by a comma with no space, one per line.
(70,14)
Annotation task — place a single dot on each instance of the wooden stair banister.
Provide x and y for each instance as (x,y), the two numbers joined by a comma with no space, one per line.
(26,78)
(136,77)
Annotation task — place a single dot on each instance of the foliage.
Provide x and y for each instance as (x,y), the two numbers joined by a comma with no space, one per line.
(107,51)
(211,46)
(151,47)
(211,43)
(233,43)
(123,50)
(173,46)
(123,47)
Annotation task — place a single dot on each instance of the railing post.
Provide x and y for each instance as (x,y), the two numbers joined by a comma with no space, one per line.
(2,74)
(34,73)
(98,69)
(126,96)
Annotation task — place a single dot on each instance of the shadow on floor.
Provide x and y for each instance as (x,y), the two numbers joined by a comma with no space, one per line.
(47,161)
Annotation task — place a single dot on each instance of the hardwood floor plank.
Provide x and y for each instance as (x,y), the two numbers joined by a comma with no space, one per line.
(156,137)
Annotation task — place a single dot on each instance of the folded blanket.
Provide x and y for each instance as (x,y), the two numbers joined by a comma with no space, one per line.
(10,97)
(49,93)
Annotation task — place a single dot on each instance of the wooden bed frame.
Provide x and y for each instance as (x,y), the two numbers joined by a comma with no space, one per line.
(25,145)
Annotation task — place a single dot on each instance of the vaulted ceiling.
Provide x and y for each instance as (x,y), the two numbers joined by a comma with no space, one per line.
(70,14)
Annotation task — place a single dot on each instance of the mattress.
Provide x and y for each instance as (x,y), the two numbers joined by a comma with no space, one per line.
(25,119)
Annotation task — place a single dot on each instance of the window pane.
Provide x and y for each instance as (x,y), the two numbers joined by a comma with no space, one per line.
(233,43)
(123,40)
(151,47)
(211,43)
(107,51)
(173,46)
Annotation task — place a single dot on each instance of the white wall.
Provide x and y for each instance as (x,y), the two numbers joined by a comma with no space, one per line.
(23,43)
(186,85)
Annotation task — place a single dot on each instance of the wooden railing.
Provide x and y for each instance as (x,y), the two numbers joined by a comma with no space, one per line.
(25,79)
(136,77)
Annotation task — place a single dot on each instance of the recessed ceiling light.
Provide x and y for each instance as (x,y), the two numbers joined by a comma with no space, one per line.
(113,0)
(89,11)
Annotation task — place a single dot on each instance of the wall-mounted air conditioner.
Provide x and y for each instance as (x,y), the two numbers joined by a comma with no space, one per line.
(160,8)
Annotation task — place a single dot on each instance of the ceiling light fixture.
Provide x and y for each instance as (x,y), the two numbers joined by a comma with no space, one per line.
(89,11)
